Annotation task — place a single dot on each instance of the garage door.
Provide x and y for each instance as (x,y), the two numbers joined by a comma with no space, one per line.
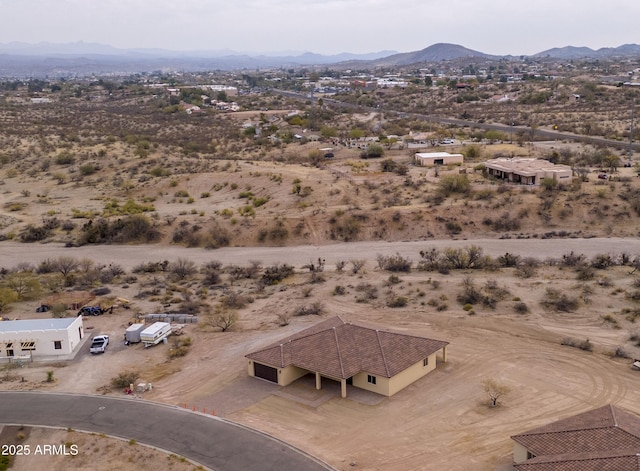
(265,372)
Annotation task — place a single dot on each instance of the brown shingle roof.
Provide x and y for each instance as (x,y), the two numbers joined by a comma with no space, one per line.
(341,349)
(600,439)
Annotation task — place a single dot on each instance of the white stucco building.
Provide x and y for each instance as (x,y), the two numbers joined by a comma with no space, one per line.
(429,159)
(40,339)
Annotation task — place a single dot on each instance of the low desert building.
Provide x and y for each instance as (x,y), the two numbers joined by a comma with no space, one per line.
(429,159)
(527,171)
(365,357)
(40,339)
(607,438)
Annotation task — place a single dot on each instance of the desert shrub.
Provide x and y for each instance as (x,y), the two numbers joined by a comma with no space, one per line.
(356,265)
(464,258)
(348,229)
(284,318)
(602,261)
(585,273)
(470,293)
(276,273)
(505,223)
(314,309)
(223,320)
(159,172)
(521,308)
(572,259)
(620,352)
(211,272)
(180,347)
(33,233)
(182,268)
(339,290)
(88,169)
(134,228)
(372,151)
(450,184)
(367,291)
(394,263)
(124,379)
(64,158)
(559,301)
(508,260)
(234,300)
(397,301)
(216,237)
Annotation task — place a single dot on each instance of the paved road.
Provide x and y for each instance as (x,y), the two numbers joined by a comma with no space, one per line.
(210,441)
(128,256)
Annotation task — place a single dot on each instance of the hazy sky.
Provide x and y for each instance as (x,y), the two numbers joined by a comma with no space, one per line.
(325,26)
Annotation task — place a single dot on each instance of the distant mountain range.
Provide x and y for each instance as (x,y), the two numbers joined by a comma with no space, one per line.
(81,59)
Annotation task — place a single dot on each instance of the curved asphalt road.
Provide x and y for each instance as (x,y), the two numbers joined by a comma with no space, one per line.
(210,441)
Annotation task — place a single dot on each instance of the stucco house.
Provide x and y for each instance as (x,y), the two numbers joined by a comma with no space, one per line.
(429,159)
(607,438)
(366,357)
(527,171)
(40,339)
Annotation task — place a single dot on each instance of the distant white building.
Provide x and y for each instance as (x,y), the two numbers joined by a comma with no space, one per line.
(40,339)
(429,159)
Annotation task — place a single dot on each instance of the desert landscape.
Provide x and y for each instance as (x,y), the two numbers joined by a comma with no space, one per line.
(125,196)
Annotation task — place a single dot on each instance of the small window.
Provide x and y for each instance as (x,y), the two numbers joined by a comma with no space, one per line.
(371,379)
(31,345)
(57,344)
(425,362)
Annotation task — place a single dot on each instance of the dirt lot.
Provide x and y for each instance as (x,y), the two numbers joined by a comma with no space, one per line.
(441,421)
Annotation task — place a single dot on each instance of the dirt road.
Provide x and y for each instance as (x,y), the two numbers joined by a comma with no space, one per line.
(12,253)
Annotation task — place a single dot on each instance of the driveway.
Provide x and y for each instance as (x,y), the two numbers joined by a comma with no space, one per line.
(213,442)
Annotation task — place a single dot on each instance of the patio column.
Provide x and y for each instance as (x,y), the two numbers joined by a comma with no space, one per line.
(318,381)
(343,387)
(444,354)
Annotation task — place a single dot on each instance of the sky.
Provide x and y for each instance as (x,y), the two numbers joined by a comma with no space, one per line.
(517,27)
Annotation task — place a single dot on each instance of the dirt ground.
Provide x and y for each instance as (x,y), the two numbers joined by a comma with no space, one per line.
(84,451)
(441,421)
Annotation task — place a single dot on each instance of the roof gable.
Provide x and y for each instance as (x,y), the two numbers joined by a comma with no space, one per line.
(340,349)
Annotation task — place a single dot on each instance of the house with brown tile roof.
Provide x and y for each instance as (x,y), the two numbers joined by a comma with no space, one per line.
(367,357)
(602,439)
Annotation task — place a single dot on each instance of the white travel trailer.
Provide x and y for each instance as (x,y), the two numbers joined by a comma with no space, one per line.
(155,333)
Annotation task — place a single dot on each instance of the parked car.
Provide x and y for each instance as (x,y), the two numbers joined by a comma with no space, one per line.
(43,308)
(603,176)
(99,344)
(90,311)
(447,141)
(329,155)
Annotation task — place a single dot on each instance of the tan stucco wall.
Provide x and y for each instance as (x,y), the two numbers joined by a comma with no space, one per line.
(411,374)
(289,374)
(519,453)
(390,386)
(381,386)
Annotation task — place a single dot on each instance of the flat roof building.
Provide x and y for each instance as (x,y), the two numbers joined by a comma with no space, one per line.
(40,339)
(527,171)
(429,159)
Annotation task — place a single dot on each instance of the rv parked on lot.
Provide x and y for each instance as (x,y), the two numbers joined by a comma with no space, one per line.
(155,333)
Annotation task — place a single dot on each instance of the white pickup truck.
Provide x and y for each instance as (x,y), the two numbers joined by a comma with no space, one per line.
(99,344)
